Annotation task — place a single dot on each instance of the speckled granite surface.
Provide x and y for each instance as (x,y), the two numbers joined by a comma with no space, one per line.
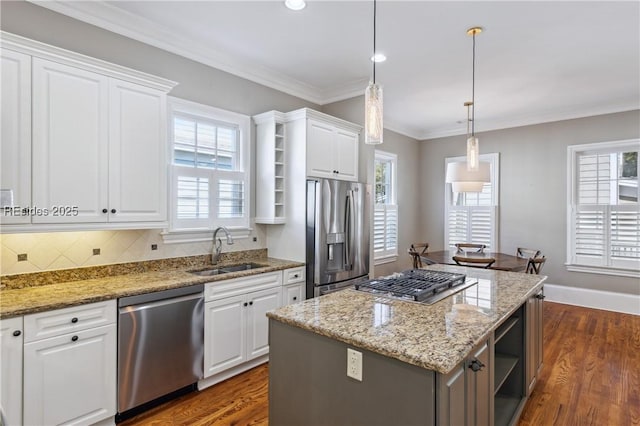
(436,337)
(28,300)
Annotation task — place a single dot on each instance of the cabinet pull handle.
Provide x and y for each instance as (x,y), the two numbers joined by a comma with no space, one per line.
(540,296)
(476,365)
(113,211)
(105,210)
(17,333)
(74,320)
(74,338)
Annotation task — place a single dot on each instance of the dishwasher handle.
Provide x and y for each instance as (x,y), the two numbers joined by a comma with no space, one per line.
(159,303)
(161,295)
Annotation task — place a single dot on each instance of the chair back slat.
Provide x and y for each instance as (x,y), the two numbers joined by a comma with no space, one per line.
(416,251)
(479,248)
(478,262)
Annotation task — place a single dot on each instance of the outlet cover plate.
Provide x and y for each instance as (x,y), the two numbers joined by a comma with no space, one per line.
(354,364)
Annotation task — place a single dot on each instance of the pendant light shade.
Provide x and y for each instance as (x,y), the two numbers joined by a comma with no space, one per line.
(373,113)
(463,180)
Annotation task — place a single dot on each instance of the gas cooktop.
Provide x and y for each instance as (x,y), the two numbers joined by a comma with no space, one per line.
(418,285)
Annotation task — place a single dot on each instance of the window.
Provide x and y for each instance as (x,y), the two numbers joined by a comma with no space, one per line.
(209,167)
(604,214)
(471,217)
(385,221)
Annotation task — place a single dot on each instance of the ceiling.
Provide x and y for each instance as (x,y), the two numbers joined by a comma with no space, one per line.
(536,61)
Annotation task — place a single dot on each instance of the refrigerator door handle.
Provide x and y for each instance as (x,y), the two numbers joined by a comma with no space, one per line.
(348,228)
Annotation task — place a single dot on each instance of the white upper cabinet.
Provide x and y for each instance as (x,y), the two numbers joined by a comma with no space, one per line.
(70,142)
(137,153)
(84,141)
(15,155)
(332,150)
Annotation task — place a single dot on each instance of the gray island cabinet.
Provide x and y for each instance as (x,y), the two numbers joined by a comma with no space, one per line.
(353,358)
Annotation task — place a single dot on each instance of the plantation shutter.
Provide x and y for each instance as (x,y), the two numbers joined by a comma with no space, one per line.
(385,224)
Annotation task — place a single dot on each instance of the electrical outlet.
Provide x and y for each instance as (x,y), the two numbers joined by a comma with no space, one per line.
(354,364)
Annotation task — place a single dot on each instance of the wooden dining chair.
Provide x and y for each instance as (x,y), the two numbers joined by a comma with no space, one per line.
(535,265)
(527,253)
(476,262)
(479,248)
(416,251)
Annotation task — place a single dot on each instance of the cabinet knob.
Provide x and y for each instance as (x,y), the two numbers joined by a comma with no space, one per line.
(74,338)
(540,296)
(104,210)
(251,303)
(245,304)
(295,276)
(113,210)
(476,365)
(295,297)
(17,333)
(74,320)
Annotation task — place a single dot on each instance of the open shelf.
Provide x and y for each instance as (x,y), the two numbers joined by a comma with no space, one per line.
(504,328)
(505,408)
(503,366)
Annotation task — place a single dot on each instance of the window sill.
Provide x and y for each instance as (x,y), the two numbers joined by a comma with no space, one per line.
(385,259)
(200,235)
(601,270)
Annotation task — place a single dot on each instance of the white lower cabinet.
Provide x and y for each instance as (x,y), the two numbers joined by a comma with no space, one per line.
(11,339)
(71,378)
(236,327)
(294,285)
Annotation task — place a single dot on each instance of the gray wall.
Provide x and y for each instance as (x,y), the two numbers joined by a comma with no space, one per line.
(407,150)
(533,188)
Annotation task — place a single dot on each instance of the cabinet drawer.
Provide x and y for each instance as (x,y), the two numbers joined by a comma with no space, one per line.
(236,286)
(55,323)
(293,275)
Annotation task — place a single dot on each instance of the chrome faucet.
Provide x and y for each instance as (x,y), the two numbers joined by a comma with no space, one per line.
(217,243)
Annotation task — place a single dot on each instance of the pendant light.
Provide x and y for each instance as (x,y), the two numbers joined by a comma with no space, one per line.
(473,147)
(373,128)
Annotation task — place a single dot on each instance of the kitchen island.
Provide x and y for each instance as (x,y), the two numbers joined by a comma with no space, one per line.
(468,359)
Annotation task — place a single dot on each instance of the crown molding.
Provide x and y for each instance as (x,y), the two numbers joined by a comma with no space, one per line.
(539,118)
(111,18)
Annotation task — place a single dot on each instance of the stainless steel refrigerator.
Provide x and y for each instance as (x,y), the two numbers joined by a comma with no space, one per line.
(337,234)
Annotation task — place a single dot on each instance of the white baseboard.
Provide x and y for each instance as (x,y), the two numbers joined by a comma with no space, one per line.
(233,371)
(598,299)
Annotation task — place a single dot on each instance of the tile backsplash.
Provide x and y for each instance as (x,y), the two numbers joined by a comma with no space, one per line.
(62,250)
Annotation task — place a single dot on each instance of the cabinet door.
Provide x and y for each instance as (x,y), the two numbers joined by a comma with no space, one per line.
(11,339)
(137,153)
(257,322)
(70,114)
(346,154)
(293,293)
(15,154)
(479,389)
(320,146)
(224,334)
(71,378)
(539,331)
(450,397)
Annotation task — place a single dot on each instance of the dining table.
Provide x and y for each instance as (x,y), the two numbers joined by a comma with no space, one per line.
(504,262)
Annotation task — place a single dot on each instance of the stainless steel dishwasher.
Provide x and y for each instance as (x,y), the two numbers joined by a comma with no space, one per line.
(160,344)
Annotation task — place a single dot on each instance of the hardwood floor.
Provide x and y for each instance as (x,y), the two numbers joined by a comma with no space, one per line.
(591,376)
(591,372)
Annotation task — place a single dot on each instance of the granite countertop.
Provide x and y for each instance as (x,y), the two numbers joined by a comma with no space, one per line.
(40,298)
(436,337)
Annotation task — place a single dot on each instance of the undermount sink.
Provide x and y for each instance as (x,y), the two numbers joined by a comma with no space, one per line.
(227,269)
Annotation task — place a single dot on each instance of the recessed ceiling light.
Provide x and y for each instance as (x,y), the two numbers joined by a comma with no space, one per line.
(379,57)
(295,4)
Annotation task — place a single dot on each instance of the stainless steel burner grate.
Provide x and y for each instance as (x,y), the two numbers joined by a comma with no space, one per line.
(417,284)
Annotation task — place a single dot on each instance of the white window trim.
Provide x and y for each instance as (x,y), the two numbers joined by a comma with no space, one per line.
(177,105)
(494,159)
(387,257)
(572,193)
